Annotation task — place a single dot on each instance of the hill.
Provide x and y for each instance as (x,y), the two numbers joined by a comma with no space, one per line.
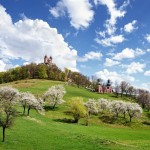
(51,132)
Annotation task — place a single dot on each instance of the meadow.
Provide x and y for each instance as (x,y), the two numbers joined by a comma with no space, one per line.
(38,132)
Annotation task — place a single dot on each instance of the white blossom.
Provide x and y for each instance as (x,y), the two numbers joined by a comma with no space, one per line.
(8,95)
(118,107)
(8,101)
(28,100)
(54,95)
(133,110)
(91,106)
(103,104)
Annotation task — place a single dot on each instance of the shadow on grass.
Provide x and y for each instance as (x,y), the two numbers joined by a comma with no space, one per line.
(146,123)
(18,113)
(108,119)
(148,114)
(64,120)
(50,108)
(113,120)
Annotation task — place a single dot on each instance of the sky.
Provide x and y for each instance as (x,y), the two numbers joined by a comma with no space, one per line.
(108,39)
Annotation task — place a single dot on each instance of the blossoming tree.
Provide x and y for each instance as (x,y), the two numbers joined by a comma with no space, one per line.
(91,106)
(134,110)
(28,100)
(54,95)
(8,101)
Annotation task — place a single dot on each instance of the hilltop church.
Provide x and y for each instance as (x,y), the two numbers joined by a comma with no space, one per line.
(48,60)
(105,88)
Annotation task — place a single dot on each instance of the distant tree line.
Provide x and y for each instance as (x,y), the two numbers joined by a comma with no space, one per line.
(141,96)
(124,89)
(42,71)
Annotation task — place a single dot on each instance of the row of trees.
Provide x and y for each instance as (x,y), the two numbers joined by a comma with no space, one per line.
(11,98)
(124,88)
(141,96)
(143,99)
(42,71)
(79,109)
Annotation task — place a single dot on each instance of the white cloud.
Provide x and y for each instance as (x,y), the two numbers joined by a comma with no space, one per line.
(109,62)
(148,50)
(26,63)
(112,10)
(30,40)
(135,67)
(83,66)
(126,53)
(111,40)
(139,52)
(80,12)
(6,65)
(113,76)
(129,53)
(108,37)
(3,65)
(146,86)
(147,37)
(130,27)
(59,10)
(67,34)
(90,56)
(125,4)
(147,73)
(114,13)
(110,54)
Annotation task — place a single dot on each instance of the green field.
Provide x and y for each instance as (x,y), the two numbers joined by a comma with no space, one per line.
(50,132)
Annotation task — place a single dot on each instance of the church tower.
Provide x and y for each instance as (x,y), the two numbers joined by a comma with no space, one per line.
(48,61)
(45,59)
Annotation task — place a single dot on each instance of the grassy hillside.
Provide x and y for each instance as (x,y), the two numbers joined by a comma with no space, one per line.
(51,132)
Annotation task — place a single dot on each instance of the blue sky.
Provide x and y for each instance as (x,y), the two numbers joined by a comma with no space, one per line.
(105,38)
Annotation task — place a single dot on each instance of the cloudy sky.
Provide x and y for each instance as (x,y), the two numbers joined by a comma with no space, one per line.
(106,38)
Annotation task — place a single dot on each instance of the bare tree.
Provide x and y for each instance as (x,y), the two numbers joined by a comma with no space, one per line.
(143,97)
(123,86)
(131,90)
(117,89)
(127,89)
(148,102)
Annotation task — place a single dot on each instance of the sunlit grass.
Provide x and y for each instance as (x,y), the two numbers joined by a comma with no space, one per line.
(50,132)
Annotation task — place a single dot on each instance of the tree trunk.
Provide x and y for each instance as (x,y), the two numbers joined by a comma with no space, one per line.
(116,115)
(28,110)
(53,107)
(143,105)
(4,134)
(24,109)
(89,113)
(124,115)
(130,118)
(86,122)
(76,120)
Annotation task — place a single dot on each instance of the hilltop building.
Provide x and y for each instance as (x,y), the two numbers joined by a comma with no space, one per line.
(48,60)
(105,88)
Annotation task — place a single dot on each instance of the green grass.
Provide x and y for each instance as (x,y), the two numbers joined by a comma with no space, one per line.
(49,132)
(40,86)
